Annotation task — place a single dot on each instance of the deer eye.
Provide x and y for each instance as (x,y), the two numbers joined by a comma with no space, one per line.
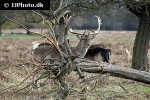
(86,40)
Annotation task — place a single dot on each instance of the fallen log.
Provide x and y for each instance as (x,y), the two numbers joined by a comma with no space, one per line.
(113,70)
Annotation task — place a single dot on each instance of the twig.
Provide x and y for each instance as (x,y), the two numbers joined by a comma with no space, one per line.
(46,21)
(91,78)
(48,38)
(33,73)
(16,86)
(24,87)
(123,88)
(79,72)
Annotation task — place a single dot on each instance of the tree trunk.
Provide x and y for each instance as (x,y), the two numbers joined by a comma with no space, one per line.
(113,70)
(0,29)
(140,49)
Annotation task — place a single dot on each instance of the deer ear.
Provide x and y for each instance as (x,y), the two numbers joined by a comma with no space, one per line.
(78,36)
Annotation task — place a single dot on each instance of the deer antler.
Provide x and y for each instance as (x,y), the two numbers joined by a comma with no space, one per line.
(92,32)
(99,24)
(74,32)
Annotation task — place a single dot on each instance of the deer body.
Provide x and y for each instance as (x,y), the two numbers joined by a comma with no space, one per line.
(44,52)
(97,52)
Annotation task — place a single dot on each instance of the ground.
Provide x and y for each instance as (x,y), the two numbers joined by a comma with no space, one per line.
(15,67)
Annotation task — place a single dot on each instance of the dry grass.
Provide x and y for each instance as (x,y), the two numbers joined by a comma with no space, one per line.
(13,70)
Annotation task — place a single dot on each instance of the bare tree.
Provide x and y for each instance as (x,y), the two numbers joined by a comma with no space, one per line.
(140,49)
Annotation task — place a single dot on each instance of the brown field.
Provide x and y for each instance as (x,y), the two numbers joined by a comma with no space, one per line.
(14,68)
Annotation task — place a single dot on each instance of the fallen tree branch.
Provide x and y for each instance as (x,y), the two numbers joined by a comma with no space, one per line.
(113,70)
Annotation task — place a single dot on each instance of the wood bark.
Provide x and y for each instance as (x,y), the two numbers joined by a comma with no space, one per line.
(61,31)
(113,70)
(0,29)
(140,49)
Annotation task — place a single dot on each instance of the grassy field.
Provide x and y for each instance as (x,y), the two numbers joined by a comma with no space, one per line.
(15,67)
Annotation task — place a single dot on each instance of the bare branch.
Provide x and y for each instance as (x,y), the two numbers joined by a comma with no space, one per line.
(52,35)
(54,43)
(114,70)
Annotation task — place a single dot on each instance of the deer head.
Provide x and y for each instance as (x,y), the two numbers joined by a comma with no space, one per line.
(84,42)
(85,39)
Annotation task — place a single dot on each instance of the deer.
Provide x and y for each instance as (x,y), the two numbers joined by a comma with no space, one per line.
(98,52)
(45,51)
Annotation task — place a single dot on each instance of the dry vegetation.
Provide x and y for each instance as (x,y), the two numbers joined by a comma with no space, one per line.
(14,68)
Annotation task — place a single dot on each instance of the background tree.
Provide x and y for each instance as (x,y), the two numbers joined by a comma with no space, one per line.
(27,18)
(3,19)
(142,10)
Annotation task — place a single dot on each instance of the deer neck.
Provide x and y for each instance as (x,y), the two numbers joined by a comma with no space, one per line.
(81,49)
(61,34)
